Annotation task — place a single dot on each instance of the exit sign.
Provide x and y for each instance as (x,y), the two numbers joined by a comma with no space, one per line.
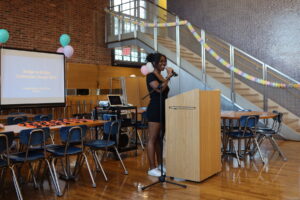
(126,51)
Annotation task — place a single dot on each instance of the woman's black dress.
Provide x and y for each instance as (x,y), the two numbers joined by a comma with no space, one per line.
(153,110)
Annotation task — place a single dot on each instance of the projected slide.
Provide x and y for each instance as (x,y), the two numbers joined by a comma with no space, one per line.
(29,77)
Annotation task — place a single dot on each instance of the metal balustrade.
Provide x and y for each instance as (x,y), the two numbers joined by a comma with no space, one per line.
(181,42)
(182,39)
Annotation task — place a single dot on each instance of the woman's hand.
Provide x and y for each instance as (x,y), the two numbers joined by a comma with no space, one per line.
(169,71)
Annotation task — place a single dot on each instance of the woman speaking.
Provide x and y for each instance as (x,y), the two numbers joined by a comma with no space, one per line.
(155,83)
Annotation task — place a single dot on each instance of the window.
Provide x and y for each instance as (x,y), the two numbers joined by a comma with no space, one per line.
(131,8)
(129,55)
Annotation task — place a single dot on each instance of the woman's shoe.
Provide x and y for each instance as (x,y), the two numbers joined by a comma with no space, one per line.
(164,169)
(154,172)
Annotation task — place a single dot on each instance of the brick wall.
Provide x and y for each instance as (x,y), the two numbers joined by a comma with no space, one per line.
(38,24)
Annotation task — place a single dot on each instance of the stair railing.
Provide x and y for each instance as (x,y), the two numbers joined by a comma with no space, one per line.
(287,97)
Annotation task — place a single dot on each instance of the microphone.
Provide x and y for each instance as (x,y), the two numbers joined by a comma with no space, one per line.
(175,74)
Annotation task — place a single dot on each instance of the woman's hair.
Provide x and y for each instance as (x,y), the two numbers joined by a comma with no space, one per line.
(154,58)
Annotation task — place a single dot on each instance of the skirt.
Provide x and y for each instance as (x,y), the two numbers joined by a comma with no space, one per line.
(153,112)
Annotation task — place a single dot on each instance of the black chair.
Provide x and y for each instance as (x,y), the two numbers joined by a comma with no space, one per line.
(42,117)
(111,128)
(143,126)
(6,139)
(16,120)
(269,133)
(72,138)
(247,132)
(30,138)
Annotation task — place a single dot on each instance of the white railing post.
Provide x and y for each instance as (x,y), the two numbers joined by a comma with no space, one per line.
(135,14)
(203,57)
(178,56)
(155,33)
(232,78)
(120,24)
(265,91)
(178,42)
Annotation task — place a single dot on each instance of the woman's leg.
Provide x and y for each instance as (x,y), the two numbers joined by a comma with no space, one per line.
(153,131)
(158,149)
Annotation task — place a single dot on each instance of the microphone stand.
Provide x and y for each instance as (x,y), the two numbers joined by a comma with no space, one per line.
(162,178)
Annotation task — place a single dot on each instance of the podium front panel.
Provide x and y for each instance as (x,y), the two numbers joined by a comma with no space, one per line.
(193,135)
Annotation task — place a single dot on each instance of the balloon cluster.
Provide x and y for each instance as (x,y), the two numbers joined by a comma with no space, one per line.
(66,48)
(146,69)
(4,36)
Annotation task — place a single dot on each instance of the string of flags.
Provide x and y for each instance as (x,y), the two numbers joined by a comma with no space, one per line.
(207,48)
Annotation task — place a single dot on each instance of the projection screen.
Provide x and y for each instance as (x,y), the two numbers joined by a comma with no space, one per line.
(31,78)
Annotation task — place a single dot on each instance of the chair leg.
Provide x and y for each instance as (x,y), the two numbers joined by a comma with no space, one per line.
(43,176)
(68,167)
(2,181)
(2,177)
(98,163)
(236,155)
(63,167)
(51,137)
(56,185)
(272,140)
(16,184)
(94,158)
(259,151)
(260,140)
(125,170)
(140,139)
(89,169)
(33,176)
(39,166)
(77,166)
(55,177)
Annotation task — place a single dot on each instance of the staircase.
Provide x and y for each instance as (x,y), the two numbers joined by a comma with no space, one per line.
(242,89)
(217,77)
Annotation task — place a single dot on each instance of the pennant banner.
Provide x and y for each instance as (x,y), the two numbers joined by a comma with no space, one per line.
(207,48)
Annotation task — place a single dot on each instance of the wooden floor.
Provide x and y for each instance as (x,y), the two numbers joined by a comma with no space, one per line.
(276,180)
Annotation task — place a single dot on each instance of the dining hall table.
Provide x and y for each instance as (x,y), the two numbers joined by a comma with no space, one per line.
(228,118)
(231,115)
(17,128)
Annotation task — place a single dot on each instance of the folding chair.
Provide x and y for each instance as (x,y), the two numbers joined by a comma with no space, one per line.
(72,138)
(6,139)
(111,128)
(269,133)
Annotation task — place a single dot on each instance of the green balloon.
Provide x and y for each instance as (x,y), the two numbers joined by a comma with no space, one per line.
(4,35)
(64,39)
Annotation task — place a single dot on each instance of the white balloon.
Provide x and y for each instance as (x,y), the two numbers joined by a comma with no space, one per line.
(150,67)
(68,51)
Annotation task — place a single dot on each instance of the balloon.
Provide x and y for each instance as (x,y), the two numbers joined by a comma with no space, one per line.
(68,51)
(60,50)
(144,70)
(149,67)
(4,35)
(64,40)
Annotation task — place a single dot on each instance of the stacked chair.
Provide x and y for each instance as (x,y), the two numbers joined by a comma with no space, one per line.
(72,138)
(6,139)
(16,120)
(33,149)
(246,131)
(269,133)
(143,126)
(42,117)
(111,129)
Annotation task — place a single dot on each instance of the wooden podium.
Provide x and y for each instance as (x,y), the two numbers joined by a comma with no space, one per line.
(193,135)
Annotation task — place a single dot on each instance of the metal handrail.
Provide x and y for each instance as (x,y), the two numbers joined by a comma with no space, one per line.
(244,61)
(134,17)
(221,40)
